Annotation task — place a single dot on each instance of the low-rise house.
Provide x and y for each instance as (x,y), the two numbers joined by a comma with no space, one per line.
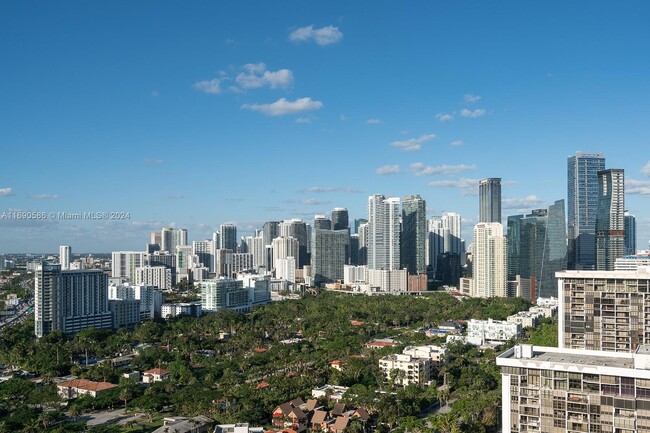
(319,421)
(338,364)
(289,415)
(237,428)
(155,375)
(329,392)
(493,331)
(337,410)
(340,424)
(381,343)
(76,387)
(526,319)
(451,326)
(181,424)
(437,354)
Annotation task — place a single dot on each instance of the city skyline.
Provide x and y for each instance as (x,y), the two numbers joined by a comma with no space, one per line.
(191,127)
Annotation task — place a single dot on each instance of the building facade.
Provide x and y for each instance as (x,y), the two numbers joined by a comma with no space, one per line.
(582,205)
(610,225)
(383,242)
(489,191)
(413,238)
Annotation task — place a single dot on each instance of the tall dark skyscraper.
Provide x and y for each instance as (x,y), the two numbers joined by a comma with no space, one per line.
(322,222)
(610,239)
(582,204)
(340,219)
(228,236)
(537,249)
(414,234)
(630,234)
(490,200)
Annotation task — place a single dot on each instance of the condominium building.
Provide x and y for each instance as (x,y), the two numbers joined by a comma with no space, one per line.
(632,263)
(156,276)
(124,264)
(610,222)
(228,293)
(489,261)
(582,205)
(405,369)
(383,242)
(328,255)
(558,390)
(64,257)
(69,301)
(413,238)
(490,200)
(604,310)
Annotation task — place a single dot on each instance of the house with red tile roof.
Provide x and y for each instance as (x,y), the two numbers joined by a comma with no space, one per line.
(76,387)
(155,375)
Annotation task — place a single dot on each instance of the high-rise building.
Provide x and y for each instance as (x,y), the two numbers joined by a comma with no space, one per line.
(180,238)
(156,239)
(167,239)
(155,276)
(383,233)
(322,222)
(610,226)
(285,247)
(328,255)
(582,206)
(358,223)
(363,243)
(64,257)
(270,231)
(70,301)
(451,221)
(489,261)
(124,263)
(603,310)
(354,249)
(205,250)
(224,293)
(340,219)
(413,238)
(255,246)
(435,243)
(297,229)
(537,250)
(630,234)
(490,200)
(228,236)
(556,390)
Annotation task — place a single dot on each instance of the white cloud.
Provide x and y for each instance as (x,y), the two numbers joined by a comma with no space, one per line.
(44,196)
(522,203)
(633,186)
(256,75)
(212,87)
(472,113)
(466,186)
(373,121)
(646,170)
(456,143)
(412,144)
(303,120)
(282,106)
(444,117)
(6,192)
(314,202)
(321,189)
(388,169)
(470,99)
(420,169)
(323,36)
(153,161)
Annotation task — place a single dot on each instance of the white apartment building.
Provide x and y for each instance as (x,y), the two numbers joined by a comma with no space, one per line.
(383,242)
(437,354)
(387,280)
(353,275)
(489,261)
(157,276)
(64,257)
(559,390)
(492,331)
(124,264)
(405,369)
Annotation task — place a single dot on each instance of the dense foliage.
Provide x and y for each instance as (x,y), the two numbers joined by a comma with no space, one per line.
(225,386)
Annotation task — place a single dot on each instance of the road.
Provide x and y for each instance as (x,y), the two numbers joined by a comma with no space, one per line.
(20,316)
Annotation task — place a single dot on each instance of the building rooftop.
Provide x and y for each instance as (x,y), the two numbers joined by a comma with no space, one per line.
(561,358)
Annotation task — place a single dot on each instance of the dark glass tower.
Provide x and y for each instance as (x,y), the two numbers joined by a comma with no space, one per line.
(582,203)
(414,235)
(490,200)
(340,219)
(630,234)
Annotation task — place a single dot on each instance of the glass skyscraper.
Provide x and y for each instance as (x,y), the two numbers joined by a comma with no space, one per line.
(414,234)
(582,196)
(490,200)
(610,240)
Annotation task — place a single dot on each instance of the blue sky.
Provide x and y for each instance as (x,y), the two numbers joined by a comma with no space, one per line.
(198,113)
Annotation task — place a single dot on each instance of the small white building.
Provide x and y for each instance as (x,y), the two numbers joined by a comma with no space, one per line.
(437,354)
(155,375)
(493,331)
